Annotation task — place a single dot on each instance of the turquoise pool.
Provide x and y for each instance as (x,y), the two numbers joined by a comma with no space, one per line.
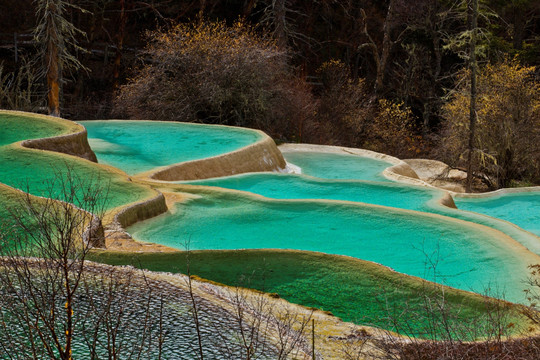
(392,194)
(139,146)
(338,166)
(39,172)
(325,209)
(522,209)
(414,243)
(293,186)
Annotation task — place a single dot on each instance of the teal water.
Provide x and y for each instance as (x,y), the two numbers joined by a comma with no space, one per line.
(338,166)
(40,172)
(522,209)
(409,242)
(412,243)
(139,146)
(290,186)
(15,128)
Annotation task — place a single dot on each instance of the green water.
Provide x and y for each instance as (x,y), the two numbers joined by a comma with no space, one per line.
(35,172)
(38,172)
(139,146)
(290,186)
(338,166)
(15,128)
(522,209)
(353,290)
(412,243)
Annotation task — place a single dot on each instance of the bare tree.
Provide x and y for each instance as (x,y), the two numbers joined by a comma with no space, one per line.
(19,89)
(60,233)
(381,53)
(473,68)
(55,305)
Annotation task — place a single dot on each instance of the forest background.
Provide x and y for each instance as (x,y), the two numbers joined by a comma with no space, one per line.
(390,76)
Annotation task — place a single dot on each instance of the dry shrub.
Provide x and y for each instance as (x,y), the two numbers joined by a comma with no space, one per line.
(20,89)
(348,115)
(214,73)
(393,130)
(342,108)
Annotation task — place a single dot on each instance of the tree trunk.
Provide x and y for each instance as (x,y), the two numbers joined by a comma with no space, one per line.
(280,23)
(119,44)
(386,47)
(54,70)
(473,6)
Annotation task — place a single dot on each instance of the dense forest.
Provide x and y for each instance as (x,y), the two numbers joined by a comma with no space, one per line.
(392,76)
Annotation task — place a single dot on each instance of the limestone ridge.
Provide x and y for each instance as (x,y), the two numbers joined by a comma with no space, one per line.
(260,156)
(75,144)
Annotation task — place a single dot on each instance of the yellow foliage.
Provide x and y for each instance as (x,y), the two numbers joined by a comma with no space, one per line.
(393,130)
(507,118)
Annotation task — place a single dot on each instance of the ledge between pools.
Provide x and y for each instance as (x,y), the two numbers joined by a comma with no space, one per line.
(502,191)
(398,170)
(260,156)
(75,142)
(116,238)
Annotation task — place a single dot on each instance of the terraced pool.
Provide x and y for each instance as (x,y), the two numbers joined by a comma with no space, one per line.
(326,209)
(37,171)
(520,208)
(139,146)
(462,254)
(338,166)
(293,186)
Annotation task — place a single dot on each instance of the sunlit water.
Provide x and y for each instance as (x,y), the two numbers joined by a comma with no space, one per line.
(462,255)
(139,146)
(291,186)
(338,166)
(40,172)
(522,209)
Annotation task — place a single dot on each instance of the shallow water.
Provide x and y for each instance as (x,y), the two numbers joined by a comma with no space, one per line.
(392,194)
(462,255)
(338,166)
(522,209)
(351,289)
(15,128)
(291,186)
(135,308)
(39,172)
(139,146)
